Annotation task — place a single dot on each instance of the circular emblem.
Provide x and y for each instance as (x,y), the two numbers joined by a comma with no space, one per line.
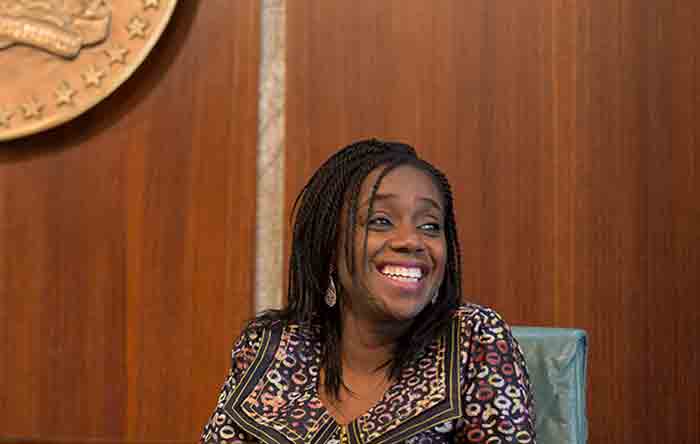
(59,58)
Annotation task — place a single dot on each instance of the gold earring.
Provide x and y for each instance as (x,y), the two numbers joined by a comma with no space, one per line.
(331,294)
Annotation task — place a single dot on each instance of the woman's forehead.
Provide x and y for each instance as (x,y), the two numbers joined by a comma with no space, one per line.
(402,180)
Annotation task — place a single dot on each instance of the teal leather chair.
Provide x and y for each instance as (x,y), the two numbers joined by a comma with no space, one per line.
(556,362)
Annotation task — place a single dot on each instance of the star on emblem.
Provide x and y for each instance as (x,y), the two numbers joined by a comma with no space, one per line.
(5,117)
(117,55)
(147,4)
(93,76)
(137,27)
(32,109)
(64,94)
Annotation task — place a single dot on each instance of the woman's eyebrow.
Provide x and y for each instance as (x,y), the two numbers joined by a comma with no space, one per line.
(431,203)
(378,198)
(390,196)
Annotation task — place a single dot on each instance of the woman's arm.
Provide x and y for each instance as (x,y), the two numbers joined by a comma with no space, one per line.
(496,398)
(220,427)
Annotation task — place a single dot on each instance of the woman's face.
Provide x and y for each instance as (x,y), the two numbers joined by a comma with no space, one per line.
(405,257)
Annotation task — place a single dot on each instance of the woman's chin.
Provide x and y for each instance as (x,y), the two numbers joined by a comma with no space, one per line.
(404,311)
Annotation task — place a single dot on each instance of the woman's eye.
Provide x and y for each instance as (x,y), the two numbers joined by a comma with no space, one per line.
(432,227)
(379,222)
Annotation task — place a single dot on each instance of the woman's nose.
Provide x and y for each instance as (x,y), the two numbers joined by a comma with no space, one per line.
(406,238)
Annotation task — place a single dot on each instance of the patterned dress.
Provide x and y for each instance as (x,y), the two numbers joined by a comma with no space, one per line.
(469,386)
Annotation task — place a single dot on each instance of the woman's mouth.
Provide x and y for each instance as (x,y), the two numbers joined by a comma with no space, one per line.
(405,276)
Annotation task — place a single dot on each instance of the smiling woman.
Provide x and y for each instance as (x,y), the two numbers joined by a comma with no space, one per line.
(374,345)
(400,247)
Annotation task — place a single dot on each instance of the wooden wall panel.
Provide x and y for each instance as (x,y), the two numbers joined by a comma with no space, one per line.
(569,131)
(126,244)
(671,254)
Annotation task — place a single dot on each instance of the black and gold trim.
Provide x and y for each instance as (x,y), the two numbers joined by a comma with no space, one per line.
(450,408)
(445,406)
(268,345)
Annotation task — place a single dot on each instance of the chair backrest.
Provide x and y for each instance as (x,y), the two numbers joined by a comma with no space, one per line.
(556,362)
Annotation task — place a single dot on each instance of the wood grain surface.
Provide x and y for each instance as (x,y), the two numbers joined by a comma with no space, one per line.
(568,129)
(126,244)
(569,132)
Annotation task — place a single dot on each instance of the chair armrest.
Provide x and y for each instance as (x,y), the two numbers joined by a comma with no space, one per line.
(556,361)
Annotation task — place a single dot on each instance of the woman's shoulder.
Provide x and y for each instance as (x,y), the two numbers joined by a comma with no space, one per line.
(254,329)
(249,343)
(477,320)
(469,312)
(263,332)
(486,339)
(265,324)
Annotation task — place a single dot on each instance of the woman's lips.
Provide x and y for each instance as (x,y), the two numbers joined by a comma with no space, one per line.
(404,276)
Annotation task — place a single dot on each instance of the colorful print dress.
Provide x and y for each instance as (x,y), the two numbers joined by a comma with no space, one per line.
(469,386)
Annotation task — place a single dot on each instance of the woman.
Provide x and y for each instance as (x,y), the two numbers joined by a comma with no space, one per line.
(374,345)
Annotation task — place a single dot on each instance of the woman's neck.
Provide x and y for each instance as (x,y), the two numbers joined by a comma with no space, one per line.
(367,345)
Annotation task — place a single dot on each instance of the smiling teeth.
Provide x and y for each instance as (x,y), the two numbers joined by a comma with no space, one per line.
(402,273)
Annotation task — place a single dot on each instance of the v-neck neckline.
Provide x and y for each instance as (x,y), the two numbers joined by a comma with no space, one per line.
(426,392)
(317,393)
(356,424)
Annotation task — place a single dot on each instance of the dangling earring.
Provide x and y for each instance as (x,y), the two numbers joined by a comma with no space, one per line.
(436,292)
(331,294)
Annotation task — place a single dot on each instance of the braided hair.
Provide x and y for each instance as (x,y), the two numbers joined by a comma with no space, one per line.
(318,210)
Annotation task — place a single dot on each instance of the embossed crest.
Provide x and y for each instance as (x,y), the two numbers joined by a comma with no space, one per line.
(59,58)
